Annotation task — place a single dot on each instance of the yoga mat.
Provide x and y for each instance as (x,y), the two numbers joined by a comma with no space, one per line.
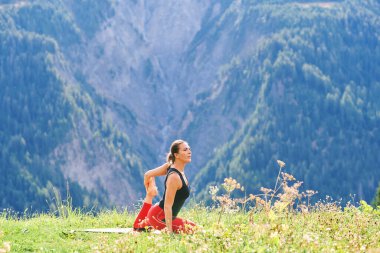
(107,230)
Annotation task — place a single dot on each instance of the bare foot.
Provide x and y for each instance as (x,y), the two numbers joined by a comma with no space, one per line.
(152,189)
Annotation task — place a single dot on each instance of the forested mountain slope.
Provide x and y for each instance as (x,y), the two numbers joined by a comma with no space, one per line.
(93,92)
(53,129)
(309,94)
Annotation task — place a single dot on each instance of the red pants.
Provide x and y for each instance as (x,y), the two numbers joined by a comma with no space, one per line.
(153,217)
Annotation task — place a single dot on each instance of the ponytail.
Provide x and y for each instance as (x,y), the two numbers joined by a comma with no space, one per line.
(174,148)
(170,158)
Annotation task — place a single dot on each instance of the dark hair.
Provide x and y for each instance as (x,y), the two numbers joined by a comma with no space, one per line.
(174,148)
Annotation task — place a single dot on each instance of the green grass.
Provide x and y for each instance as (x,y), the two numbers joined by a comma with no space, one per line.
(326,229)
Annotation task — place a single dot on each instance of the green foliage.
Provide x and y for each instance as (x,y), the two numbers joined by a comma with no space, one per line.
(90,14)
(33,118)
(365,208)
(376,199)
(47,19)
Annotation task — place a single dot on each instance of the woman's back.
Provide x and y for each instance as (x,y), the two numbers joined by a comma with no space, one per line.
(181,195)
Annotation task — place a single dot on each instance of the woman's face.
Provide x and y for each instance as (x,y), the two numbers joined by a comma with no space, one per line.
(184,153)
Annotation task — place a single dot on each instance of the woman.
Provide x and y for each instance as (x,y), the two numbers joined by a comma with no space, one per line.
(164,214)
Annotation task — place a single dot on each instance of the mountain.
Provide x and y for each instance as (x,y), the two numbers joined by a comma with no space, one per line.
(55,133)
(305,95)
(93,93)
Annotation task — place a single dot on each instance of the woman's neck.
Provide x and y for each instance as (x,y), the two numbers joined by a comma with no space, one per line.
(179,166)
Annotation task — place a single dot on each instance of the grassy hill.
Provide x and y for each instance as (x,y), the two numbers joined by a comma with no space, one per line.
(326,228)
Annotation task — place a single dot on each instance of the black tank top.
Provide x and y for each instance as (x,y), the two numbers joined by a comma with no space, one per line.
(181,195)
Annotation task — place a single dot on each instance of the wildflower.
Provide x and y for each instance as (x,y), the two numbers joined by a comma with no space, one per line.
(309,237)
(241,200)
(225,200)
(213,191)
(310,193)
(304,208)
(260,201)
(287,177)
(291,193)
(266,191)
(274,234)
(298,184)
(7,247)
(280,163)
(231,184)
(280,206)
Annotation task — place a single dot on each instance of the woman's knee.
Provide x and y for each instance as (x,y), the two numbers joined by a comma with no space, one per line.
(183,226)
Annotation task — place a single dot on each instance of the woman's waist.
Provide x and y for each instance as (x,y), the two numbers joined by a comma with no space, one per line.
(177,206)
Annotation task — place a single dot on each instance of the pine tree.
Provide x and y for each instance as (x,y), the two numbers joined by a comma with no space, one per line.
(376,200)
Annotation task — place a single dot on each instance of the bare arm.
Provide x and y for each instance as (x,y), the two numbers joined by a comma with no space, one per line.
(172,185)
(159,171)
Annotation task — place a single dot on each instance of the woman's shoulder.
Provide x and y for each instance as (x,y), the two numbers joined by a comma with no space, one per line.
(173,171)
(173,178)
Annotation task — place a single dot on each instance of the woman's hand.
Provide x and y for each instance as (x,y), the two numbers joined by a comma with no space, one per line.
(151,190)
(159,171)
(167,231)
(146,180)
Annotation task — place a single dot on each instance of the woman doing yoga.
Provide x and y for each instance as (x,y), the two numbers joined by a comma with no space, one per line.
(164,214)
